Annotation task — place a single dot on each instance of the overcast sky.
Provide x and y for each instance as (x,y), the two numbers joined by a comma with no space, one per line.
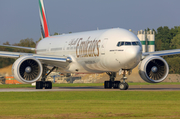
(19,19)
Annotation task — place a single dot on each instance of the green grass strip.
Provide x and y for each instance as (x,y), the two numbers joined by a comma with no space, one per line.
(91,95)
(90,104)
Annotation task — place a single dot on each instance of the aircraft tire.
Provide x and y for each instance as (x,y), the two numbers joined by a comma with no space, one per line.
(123,86)
(127,86)
(116,84)
(108,84)
(39,85)
(48,85)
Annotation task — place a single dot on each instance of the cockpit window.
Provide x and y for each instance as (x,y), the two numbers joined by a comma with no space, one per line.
(120,43)
(127,43)
(135,43)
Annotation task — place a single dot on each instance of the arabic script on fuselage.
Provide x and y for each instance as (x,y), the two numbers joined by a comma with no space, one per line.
(88,48)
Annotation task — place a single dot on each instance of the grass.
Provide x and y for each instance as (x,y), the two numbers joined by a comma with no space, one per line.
(81,84)
(90,104)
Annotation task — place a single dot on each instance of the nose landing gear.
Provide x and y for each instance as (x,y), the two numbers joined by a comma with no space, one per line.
(123,85)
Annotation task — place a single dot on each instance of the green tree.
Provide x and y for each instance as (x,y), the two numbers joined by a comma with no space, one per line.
(6,43)
(56,33)
(28,42)
(174,64)
(24,42)
(164,36)
(175,42)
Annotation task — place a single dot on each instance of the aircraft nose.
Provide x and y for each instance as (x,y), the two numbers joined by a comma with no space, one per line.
(132,52)
(133,55)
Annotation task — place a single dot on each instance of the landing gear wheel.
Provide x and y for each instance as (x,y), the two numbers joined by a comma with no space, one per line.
(45,84)
(123,86)
(116,84)
(48,85)
(127,86)
(107,84)
(39,85)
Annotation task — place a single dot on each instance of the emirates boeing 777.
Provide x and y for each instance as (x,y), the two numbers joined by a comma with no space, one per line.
(110,50)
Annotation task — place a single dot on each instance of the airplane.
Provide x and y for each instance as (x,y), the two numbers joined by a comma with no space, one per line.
(113,51)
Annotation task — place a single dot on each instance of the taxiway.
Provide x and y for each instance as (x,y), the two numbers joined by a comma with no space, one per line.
(98,88)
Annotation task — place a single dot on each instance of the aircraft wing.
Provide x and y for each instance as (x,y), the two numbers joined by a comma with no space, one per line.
(9,54)
(163,52)
(27,48)
(47,59)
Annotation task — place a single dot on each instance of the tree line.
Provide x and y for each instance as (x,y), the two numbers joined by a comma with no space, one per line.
(165,39)
(28,42)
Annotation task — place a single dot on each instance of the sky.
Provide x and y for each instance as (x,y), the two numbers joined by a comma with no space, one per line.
(19,19)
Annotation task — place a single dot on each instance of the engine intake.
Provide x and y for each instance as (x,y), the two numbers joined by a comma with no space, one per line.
(27,69)
(153,69)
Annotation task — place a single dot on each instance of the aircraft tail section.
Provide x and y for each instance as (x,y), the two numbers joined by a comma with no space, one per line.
(44,26)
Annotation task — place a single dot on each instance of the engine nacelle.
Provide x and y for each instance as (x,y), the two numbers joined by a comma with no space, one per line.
(153,69)
(27,69)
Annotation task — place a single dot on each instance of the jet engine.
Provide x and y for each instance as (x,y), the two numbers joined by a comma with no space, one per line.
(27,69)
(153,69)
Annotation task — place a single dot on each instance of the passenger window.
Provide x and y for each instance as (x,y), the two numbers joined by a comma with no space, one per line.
(127,43)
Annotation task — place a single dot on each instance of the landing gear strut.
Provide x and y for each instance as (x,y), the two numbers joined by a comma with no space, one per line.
(123,85)
(43,83)
(111,83)
(116,84)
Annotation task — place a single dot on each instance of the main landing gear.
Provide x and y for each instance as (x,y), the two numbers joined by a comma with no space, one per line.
(116,84)
(43,83)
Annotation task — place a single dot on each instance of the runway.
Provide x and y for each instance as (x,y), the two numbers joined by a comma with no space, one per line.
(98,88)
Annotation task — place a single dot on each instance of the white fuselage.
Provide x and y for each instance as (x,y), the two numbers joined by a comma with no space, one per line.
(94,51)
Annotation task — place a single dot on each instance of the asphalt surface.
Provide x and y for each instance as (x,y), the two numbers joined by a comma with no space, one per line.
(99,88)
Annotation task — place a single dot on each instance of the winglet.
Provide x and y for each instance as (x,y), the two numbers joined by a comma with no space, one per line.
(44,26)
